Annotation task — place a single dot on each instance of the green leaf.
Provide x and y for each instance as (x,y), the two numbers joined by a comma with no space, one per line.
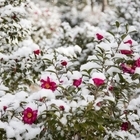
(111,33)
(51,71)
(126,27)
(119,60)
(135,76)
(100,51)
(101,128)
(88,71)
(117,24)
(123,36)
(122,80)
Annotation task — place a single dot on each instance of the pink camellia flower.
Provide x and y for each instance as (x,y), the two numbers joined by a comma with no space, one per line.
(77,82)
(29,115)
(128,68)
(137,62)
(62,107)
(98,82)
(99,36)
(37,52)
(126,52)
(128,42)
(124,126)
(63,63)
(48,84)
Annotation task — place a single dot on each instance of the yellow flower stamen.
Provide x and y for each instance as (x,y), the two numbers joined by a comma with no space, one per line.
(29,115)
(47,86)
(129,66)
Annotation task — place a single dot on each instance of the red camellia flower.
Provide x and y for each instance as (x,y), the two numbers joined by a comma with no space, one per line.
(98,82)
(29,115)
(62,107)
(99,104)
(64,63)
(124,126)
(42,99)
(4,108)
(48,84)
(125,112)
(110,88)
(137,62)
(99,36)
(126,52)
(128,42)
(77,82)
(14,16)
(128,68)
(37,52)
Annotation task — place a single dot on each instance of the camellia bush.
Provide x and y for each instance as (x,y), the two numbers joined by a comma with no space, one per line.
(126,12)
(123,9)
(48,93)
(45,20)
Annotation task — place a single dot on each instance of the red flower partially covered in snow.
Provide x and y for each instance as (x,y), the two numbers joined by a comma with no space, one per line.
(110,88)
(128,42)
(99,36)
(137,62)
(48,84)
(124,126)
(126,52)
(4,108)
(63,63)
(98,82)
(128,68)
(61,107)
(99,104)
(37,52)
(77,82)
(29,115)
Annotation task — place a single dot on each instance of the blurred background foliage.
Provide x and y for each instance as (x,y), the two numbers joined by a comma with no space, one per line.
(101,13)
